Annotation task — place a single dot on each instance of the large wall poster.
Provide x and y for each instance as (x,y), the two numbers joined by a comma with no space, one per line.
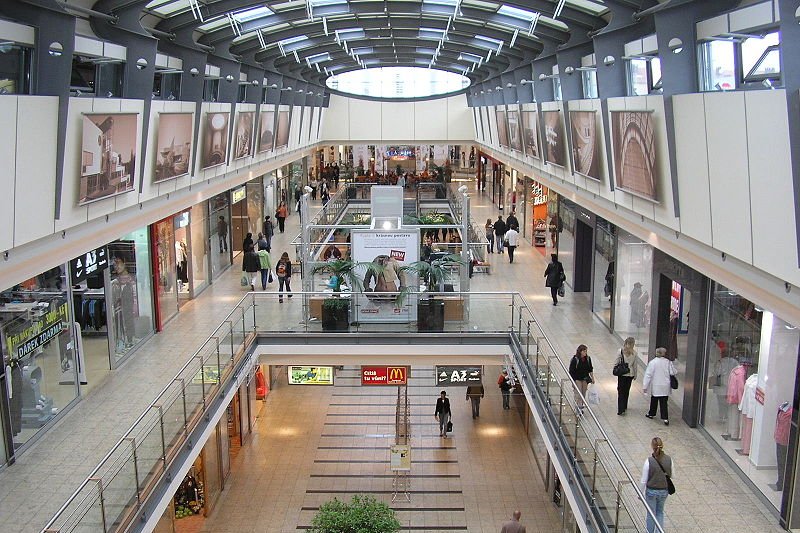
(554,140)
(502,128)
(634,152)
(530,134)
(585,148)
(282,137)
(310,375)
(215,139)
(174,145)
(108,155)
(243,134)
(391,249)
(266,131)
(514,133)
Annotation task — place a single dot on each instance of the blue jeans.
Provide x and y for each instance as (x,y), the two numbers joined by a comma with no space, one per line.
(655,500)
(444,418)
(499,239)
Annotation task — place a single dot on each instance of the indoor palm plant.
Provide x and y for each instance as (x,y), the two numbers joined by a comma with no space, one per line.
(433,275)
(336,309)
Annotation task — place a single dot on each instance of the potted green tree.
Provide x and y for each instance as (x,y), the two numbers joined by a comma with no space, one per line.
(363,514)
(336,309)
(433,274)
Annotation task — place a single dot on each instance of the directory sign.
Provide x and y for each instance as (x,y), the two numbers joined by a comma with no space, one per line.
(384,375)
(310,375)
(87,264)
(454,376)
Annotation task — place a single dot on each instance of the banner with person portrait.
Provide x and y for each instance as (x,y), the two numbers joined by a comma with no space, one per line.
(389,250)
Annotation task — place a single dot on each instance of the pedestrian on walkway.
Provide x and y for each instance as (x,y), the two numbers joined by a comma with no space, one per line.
(512,220)
(283,269)
(489,227)
(250,262)
(513,525)
(222,233)
(281,215)
(261,243)
(265,262)
(500,232)
(554,276)
(582,372)
(443,413)
(474,394)
(656,471)
(627,356)
(504,382)
(657,384)
(512,241)
(268,230)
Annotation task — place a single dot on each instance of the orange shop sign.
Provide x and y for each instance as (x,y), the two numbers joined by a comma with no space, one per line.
(384,375)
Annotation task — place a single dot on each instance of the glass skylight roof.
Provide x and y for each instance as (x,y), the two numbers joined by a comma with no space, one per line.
(168,7)
(251,14)
(517,13)
(398,82)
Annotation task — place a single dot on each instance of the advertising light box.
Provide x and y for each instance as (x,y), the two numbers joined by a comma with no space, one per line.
(454,376)
(310,375)
(384,375)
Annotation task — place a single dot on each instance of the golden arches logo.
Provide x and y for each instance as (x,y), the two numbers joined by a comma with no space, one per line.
(397,374)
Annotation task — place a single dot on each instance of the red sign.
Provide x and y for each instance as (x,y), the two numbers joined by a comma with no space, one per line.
(384,375)
(760,395)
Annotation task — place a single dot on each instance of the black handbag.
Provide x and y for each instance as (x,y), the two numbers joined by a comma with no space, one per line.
(621,368)
(673,382)
(449,426)
(670,484)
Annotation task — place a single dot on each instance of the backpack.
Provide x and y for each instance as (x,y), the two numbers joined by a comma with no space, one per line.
(280,269)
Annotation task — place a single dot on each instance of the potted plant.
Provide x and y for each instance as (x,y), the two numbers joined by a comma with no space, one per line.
(336,309)
(433,274)
(363,514)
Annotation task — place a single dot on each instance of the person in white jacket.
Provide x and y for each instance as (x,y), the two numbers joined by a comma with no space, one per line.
(512,241)
(657,384)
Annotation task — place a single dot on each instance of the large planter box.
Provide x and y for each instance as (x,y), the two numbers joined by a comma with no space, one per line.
(430,315)
(336,319)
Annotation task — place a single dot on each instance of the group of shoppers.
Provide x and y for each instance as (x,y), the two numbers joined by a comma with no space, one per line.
(503,232)
(256,260)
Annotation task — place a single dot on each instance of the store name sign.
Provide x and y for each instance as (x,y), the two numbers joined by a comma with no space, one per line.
(88,263)
(238,195)
(37,334)
(384,375)
(447,376)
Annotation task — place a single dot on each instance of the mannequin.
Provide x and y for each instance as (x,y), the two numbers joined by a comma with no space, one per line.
(736,382)
(783,425)
(747,408)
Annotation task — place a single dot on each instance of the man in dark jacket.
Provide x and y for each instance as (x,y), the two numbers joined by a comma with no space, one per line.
(268,231)
(500,233)
(442,413)
(474,394)
(554,276)
(512,221)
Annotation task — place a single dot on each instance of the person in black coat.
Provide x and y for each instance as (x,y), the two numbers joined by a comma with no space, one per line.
(554,276)
(500,229)
(512,220)
(250,262)
(442,413)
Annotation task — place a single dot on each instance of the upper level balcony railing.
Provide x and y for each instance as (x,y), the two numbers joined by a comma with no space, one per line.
(113,495)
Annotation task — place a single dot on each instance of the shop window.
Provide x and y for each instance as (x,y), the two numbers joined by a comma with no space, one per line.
(211,90)
(167,86)
(631,290)
(15,69)
(761,58)
(99,77)
(589,82)
(557,88)
(644,75)
(718,65)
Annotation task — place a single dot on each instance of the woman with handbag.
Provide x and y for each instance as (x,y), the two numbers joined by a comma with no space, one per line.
(657,481)
(659,380)
(582,373)
(443,414)
(625,370)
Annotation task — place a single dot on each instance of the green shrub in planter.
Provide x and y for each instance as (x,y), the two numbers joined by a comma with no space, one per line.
(364,514)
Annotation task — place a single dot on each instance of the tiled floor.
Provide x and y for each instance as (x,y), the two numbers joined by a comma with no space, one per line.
(710,497)
(316,443)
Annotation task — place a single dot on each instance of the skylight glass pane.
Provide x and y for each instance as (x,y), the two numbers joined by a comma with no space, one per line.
(595,8)
(517,13)
(430,33)
(440,2)
(250,14)
(488,43)
(292,40)
(465,56)
(398,82)
(318,58)
(288,5)
(169,8)
(479,4)
(317,3)
(214,24)
(361,51)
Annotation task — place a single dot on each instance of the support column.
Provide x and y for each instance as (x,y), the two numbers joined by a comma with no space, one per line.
(790,75)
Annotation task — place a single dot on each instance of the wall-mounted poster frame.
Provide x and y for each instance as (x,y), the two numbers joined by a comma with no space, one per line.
(173,146)
(283,127)
(502,127)
(514,130)
(266,129)
(530,133)
(243,134)
(215,139)
(634,153)
(310,375)
(585,144)
(555,145)
(108,155)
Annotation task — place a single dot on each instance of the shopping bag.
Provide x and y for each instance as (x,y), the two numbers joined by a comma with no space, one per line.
(270,279)
(593,397)
(449,426)
(245,281)
(561,290)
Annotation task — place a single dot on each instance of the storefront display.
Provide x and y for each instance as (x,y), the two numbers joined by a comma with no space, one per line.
(605,242)
(39,352)
(535,214)
(752,361)
(255,205)
(566,237)
(632,290)
(198,228)
(219,222)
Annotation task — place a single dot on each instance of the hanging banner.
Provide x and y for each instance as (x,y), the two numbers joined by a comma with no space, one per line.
(454,376)
(384,375)
(390,250)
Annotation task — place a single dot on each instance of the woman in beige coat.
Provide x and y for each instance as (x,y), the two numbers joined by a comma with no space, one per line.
(627,354)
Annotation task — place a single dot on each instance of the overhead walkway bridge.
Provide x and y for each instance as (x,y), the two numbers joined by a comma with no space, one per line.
(132,486)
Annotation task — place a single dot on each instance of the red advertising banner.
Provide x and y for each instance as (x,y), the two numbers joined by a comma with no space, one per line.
(760,395)
(384,375)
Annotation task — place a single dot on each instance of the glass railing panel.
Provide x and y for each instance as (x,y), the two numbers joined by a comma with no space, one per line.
(83,513)
(120,487)
(149,449)
(173,416)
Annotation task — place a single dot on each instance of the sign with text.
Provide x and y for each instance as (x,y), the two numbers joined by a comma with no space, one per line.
(310,375)
(400,458)
(454,376)
(38,333)
(384,375)
(87,264)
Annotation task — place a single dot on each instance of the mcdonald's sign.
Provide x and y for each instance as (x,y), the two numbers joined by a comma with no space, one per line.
(384,375)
